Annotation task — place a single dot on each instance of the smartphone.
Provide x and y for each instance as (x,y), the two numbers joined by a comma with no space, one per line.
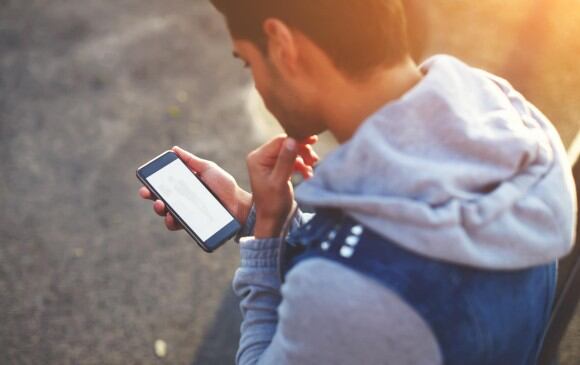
(189,200)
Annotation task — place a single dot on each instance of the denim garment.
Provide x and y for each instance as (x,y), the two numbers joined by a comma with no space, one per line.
(479,317)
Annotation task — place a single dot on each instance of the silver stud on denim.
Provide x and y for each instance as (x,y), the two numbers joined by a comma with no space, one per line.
(352,240)
(357,230)
(325,246)
(331,235)
(346,252)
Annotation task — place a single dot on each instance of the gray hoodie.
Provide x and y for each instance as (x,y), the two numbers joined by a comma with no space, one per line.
(462,169)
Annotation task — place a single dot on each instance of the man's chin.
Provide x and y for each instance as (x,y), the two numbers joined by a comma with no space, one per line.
(301,135)
(307,129)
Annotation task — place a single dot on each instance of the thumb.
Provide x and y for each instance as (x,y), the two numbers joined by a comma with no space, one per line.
(286,159)
(192,161)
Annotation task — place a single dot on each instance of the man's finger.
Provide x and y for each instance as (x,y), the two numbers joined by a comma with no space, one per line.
(307,174)
(146,194)
(171,223)
(272,147)
(267,154)
(310,140)
(303,169)
(299,164)
(192,161)
(159,208)
(286,159)
(308,155)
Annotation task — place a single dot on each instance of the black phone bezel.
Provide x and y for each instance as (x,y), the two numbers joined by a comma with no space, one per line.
(215,241)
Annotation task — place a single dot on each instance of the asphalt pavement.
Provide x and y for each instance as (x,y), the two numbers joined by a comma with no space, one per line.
(89,91)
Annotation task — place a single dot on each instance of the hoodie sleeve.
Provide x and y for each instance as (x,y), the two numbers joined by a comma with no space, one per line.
(258,285)
(248,228)
(323,314)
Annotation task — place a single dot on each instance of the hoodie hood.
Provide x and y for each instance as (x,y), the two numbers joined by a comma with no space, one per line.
(461,168)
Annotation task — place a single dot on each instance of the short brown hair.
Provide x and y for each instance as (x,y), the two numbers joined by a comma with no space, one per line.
(357,35)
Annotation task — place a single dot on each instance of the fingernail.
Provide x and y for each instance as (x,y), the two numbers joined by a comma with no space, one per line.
(290,144)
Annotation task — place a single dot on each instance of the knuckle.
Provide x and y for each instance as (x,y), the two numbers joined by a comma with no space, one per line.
(251,157)
(276,138)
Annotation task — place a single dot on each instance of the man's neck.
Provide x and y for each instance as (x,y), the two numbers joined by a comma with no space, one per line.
(347,104)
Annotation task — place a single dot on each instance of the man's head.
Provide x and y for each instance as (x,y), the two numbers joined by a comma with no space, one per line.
(292,45)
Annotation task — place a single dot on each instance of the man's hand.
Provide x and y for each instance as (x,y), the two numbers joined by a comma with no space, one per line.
(271,167)
(236,200)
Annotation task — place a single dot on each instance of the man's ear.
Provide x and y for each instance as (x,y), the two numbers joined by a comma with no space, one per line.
(282,48)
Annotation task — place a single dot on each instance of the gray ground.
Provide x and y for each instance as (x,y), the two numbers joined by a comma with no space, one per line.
(89,90)
(88,93)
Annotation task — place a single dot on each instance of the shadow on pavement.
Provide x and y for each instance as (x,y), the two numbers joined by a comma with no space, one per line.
(221,340)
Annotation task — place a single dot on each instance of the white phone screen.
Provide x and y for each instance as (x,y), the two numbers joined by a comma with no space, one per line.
(190,199)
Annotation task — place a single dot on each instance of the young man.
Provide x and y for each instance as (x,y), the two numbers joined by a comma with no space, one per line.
(438,220)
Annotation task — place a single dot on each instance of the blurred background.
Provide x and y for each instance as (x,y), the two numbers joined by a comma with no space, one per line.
(89,90)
